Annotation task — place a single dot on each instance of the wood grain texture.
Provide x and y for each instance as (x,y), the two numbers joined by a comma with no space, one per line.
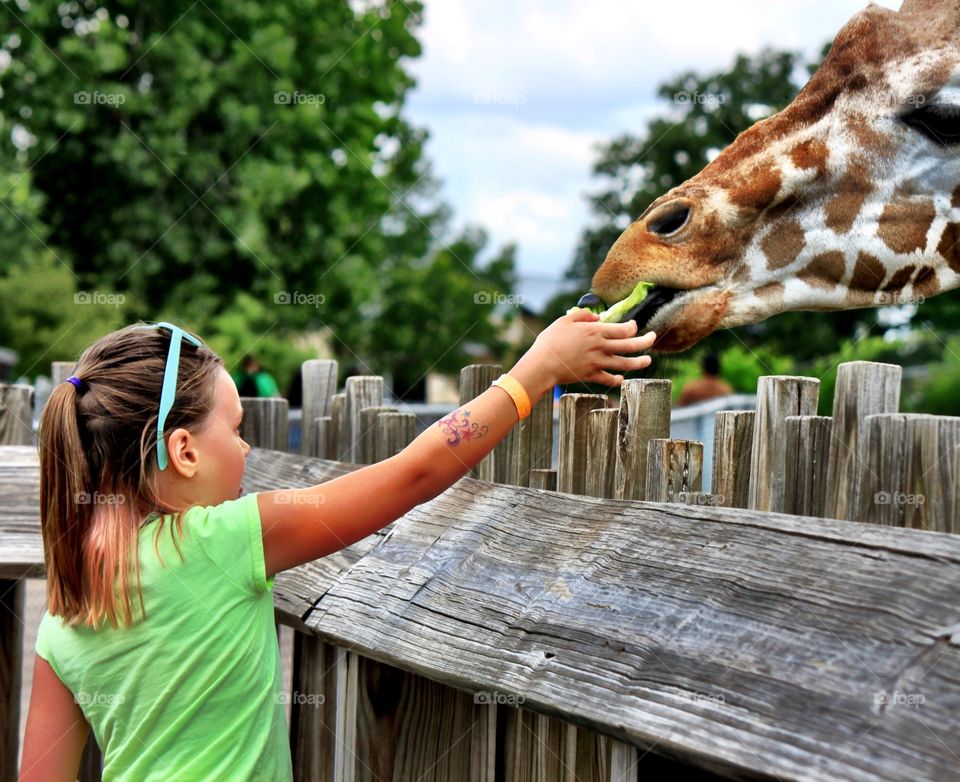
(362,391)
(674,470)
(265,422)
(807,445)
(644,416)
(732,448)
(319,378)
(16,414)
(863,388)
(777,397)
(574,438)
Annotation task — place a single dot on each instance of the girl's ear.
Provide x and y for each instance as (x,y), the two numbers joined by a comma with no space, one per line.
(182,453)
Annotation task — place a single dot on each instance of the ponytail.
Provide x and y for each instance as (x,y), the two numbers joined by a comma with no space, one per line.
(97,447)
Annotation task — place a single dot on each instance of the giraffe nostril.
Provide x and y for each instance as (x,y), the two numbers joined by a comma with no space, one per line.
(669,218)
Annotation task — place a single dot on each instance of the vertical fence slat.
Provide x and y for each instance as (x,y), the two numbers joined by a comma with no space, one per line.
(474,380)
(602,452)
(572,460)
(340,432)
(395,431)
(732,447)
(319,378)
(928,500)
(644,416)
(321,442)
(16,428)
(777,397)
(266,422)
(807,445)
(533,443)
(543,479)
(863,388)
(362,391)
(673,467)
(885,468)
(367,435)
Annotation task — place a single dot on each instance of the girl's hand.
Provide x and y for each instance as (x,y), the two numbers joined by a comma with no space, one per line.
(578,348)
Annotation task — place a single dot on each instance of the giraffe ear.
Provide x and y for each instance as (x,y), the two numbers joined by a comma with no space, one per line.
(938,122)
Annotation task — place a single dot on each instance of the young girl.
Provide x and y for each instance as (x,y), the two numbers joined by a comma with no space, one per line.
(159,631)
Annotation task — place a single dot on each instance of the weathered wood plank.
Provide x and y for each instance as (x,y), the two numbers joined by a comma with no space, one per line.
(732,447)
(319,377)
(644,416)
(265,422)
(362,391)
(777,397)
(807,446)
(863,388)
(572,456)
(746,643)
(674,468)
(756,645)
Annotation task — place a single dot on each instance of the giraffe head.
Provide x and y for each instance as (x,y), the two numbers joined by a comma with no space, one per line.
(848,198)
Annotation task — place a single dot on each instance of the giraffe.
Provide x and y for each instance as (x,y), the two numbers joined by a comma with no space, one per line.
(847,198)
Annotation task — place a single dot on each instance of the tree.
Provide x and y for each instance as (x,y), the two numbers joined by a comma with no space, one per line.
(187,153)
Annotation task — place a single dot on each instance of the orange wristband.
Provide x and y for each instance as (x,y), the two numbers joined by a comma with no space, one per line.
(517,392)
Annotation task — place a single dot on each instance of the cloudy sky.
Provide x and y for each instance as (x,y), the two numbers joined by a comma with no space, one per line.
(516,93)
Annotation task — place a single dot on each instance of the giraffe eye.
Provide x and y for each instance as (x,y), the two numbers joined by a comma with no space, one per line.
(940,123)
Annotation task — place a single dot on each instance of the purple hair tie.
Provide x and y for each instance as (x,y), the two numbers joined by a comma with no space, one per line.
(75,380)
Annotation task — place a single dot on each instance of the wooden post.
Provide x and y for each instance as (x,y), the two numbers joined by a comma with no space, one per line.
(319,384)
(313,740)
(543,479)
(367,435)
(362,391)
(602,452)
(572,461)
(16,428)
(673,466)
(929,499)
(322,442)
(533,443)
(395,431)
(266,422)
(777,397)
(16,414)
(474,380)
(61,370)
(807,446)
(644,416)
(732,447)
(340,427)
(884,471)
(863,388)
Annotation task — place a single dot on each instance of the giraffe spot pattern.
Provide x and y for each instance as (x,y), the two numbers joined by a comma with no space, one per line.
(900,278)
(926,282)
(811,154)
(758,190)
(851,193)
(904,225)
(783,243)
(949,247)
(825,270)
(955,198)
(868,274)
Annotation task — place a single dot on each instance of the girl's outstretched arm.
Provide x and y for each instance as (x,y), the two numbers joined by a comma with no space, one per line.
(56,729)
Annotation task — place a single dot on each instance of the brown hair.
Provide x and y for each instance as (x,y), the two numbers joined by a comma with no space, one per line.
(98,465)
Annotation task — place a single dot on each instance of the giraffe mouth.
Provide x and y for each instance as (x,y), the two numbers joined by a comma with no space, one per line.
(657,298)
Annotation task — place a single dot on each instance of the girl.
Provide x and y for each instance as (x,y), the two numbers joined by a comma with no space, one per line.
(159,631)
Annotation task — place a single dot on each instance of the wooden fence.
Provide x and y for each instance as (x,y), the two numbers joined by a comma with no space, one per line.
(604,618)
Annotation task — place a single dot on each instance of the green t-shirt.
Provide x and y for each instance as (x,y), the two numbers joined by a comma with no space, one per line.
(194,691)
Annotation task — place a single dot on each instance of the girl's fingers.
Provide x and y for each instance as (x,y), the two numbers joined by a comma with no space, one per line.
(632,345)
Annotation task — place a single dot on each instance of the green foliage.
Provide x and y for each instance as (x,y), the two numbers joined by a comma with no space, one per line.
(939,391)
(188,155)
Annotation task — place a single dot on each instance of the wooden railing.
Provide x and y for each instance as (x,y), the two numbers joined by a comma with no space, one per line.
(515,628)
